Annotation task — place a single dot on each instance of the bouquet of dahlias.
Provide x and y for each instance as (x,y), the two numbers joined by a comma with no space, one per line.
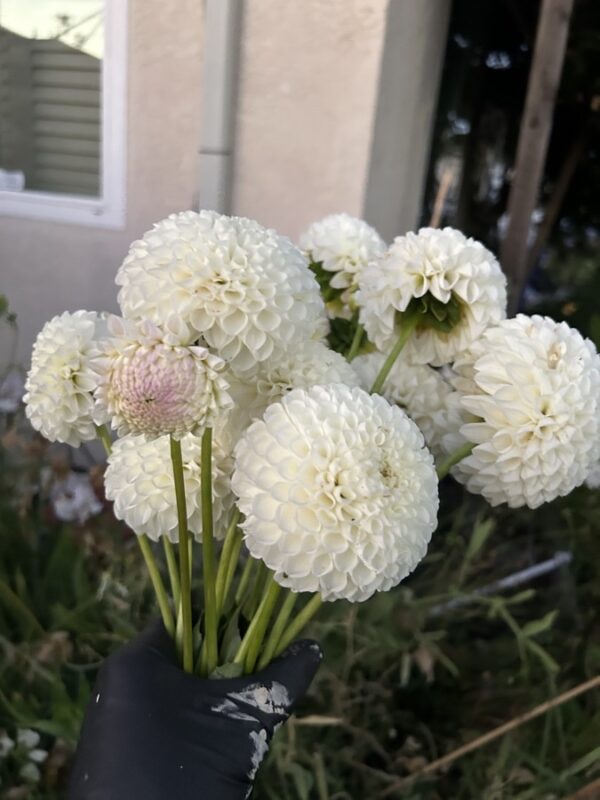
(299,406)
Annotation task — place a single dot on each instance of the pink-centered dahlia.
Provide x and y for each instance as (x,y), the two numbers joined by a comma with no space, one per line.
(155,382)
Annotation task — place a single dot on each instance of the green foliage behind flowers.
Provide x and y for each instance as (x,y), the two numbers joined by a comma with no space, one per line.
(403,683)
(61,612)
(404,680)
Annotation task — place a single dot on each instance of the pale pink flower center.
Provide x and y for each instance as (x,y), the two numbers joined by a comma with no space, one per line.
(154,387)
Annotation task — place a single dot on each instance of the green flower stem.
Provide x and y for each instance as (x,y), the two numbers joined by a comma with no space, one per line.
(104,437)
(264,614)
(235,557)
(173,570)
(458,455)
(159,588)
(407,328)
(12,601)
(303,618)
(257,590)
(147,553)
(208,552)
(179,632)
(357,340)
(244,580)
(278,628)
(229,553)
(184,556)
(248,650)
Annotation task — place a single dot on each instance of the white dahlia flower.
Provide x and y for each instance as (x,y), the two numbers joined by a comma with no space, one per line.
(246,290)
(338,491)
(154,382)
(309,364)
(58,391)
(339,247)
(593,479)
(453,284)
(534,386)
(139,480)
(428,399)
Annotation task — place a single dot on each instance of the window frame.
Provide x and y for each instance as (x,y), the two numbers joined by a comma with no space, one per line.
(108,210)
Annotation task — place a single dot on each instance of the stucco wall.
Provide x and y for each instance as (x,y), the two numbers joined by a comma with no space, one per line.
(45,267)
(309,72)
(309,76)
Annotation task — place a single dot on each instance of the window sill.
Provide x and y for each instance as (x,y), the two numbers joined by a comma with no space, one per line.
(68,209)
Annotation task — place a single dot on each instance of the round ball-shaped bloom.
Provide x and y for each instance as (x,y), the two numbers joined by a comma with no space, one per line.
(246,290)
(534,386)
(420,390)
(309,364)
(593,479)
(455,284)
(338,491)
(153,383)
(58,391)
(341,246)
(139,481)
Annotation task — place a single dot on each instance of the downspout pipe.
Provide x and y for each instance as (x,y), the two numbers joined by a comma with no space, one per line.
(222,38)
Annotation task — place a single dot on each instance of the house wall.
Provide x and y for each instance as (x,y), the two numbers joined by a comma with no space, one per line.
(309,76)
(307,100)
(46,267)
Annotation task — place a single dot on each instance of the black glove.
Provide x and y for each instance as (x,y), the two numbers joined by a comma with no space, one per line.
(153,732)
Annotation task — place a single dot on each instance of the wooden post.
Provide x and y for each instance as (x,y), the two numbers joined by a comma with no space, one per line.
(544,79)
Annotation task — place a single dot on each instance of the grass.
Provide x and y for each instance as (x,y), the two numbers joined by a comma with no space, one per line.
(407,678)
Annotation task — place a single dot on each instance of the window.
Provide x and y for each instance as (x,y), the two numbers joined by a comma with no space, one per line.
(62,125)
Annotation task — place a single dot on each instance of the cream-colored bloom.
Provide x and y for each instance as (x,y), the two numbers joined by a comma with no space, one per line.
(6,744)
(27,742)
(593,479)
(27,738)
(342,246)
(338,491)
(421,391)
(534,386)
(156,381)
(246,290)
(454,283)
(58,391)
(309,364)
(73,498)
(139,480)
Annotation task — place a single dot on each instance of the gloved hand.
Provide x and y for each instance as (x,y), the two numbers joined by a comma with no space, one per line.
(153,732)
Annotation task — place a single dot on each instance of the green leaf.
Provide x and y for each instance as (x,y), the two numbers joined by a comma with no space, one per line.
(588,760)
(20,610)
(480,535)
(229,670)
(538,626)
(433,313)
(51,728)
(303,781)
(545,658)
(231,638)
(520,597)
(323,277)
